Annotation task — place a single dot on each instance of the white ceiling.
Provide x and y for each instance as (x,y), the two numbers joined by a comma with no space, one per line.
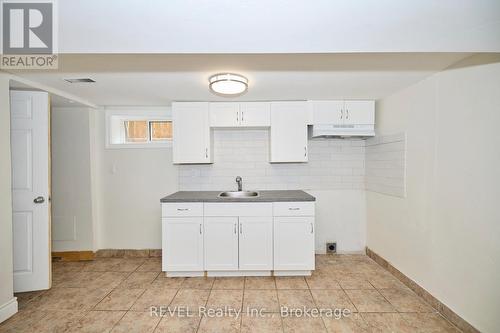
(278,26)
(161,79)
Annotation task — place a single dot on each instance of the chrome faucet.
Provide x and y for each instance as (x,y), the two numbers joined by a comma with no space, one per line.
(240,185)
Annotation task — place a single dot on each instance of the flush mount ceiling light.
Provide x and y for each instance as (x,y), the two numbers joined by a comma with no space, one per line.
(228,84)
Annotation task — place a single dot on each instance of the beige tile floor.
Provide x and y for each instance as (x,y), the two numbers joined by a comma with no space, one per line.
(115,295)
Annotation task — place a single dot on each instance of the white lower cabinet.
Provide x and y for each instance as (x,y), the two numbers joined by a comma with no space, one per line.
(294,243)
(238,238)
(256,243)
(182,245)
(221,243)
(238,243)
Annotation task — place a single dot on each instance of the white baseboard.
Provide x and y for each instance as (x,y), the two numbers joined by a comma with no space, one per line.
(8,309)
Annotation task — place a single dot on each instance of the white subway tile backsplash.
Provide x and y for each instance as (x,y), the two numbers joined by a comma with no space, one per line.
(377,164)
(386,164)
(333,164)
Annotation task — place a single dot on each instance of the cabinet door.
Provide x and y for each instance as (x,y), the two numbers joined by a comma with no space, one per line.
(221,243)
(289,132)
(182,244)
(191,133)
(225,114)
(327,112)
(255,114)
(256,243)
(294,243)
(359,112)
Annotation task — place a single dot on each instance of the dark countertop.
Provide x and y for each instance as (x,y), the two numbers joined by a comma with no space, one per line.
(213,196)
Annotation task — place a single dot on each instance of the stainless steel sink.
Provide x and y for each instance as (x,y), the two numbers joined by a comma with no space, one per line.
(239,194)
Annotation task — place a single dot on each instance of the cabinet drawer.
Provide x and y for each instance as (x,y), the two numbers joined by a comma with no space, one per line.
(179,209)
(293,209)
(239,209)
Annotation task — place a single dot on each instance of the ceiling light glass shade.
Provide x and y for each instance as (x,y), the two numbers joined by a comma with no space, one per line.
(228,84)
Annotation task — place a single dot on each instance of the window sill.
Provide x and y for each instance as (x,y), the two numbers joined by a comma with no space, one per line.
(148,145)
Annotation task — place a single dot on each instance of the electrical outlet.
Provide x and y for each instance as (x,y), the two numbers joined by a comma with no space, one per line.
(331,247)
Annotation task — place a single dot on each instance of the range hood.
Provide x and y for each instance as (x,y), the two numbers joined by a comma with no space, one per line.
(342,130)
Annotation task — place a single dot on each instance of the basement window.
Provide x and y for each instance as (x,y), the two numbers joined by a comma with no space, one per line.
(138,128)
(147,130)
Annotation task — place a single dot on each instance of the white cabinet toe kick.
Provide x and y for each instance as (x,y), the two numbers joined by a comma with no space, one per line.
(238,239)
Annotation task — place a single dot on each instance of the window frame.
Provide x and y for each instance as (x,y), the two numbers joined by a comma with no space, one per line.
(115,131)
(150,130)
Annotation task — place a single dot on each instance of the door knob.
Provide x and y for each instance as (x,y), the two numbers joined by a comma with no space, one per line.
(39,200)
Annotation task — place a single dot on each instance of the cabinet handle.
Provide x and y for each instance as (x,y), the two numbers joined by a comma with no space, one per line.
(237,116)
(242,116)
(341,113)
(206,152)
(235,228)
(293,208)
(182,209)
(200,228)
(241,228)
(347,112)
(312,228)
(305,151)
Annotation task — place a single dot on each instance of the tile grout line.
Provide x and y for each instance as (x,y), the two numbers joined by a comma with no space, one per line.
(279,305)
(242,302)
(168,306)
(317,306)
(206,302)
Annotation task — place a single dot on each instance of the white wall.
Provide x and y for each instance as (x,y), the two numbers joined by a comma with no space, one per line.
(444,234)
(129,185)
(72,214)
(6,266)
(340,217)
(334,174)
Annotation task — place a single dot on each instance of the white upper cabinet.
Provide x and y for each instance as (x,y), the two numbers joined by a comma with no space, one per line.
(289,132)
(255,114)
(246,114)
(191,133)
(224,114)
(343,112)
(359,112)
(327,112)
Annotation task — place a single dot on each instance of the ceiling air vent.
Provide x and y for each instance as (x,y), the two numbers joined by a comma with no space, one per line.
(80,80)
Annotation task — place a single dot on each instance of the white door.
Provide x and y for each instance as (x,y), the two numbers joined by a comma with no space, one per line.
(294,243)
(256,243)
(191,133)
(289,131)
(328,112)
(183,244)
(224,114)
(359,112)
(30,189)
(221,243)
(255,114)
